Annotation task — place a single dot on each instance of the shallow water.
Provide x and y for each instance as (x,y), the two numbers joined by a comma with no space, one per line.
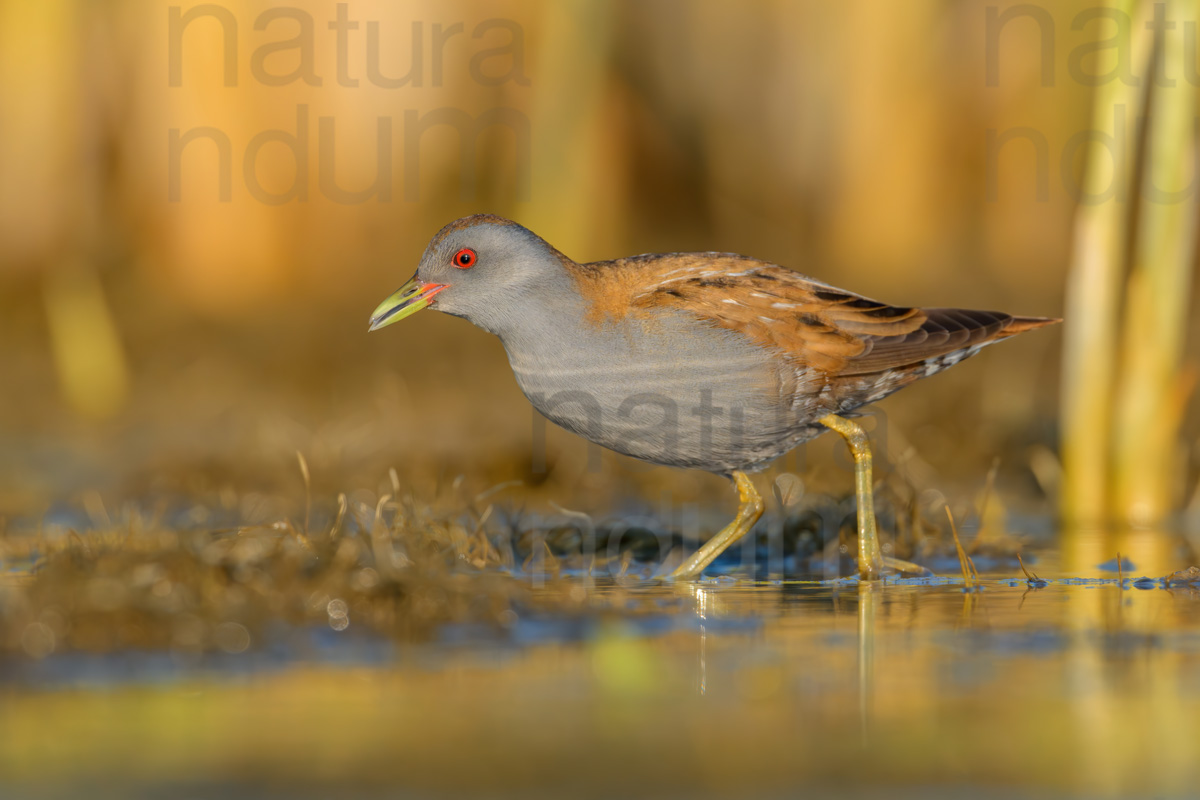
(1082,687)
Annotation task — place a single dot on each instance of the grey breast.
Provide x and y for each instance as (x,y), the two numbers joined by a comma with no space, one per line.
(675,391)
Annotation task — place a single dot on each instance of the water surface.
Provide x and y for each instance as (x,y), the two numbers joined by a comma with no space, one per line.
(1081,687)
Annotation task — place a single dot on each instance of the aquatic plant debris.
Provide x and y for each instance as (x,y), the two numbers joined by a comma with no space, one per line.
(970,575)
(1191,575)
(1117,564)
(388,567)
(1032,579)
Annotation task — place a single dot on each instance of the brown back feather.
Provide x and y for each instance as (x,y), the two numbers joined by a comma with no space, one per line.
(811,323)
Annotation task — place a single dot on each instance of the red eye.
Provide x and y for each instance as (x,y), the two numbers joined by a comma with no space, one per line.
(465,258)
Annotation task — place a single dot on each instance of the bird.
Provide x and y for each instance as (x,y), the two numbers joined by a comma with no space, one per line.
(707,360)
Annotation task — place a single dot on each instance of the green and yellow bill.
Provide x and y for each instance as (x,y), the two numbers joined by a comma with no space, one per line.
(406,301)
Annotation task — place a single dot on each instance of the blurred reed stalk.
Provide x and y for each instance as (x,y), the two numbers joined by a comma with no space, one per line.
(1123,392)
(1091,307)
(1152,389)
(576,179)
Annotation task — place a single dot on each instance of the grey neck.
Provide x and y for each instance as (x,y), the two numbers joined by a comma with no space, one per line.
(528,319)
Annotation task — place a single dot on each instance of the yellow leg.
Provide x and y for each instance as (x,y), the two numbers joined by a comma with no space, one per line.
(750,508)
(870,557)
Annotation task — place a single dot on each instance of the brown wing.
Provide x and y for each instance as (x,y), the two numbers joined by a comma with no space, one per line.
(814,324)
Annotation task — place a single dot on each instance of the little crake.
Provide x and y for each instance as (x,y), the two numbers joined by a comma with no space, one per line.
(706,360)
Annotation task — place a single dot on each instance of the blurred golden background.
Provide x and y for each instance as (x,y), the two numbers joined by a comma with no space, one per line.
(197,215)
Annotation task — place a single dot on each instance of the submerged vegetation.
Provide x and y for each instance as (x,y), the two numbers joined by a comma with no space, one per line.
(404,570)
(399,569)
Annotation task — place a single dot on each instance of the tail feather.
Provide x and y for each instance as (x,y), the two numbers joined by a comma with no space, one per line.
(944,332)
(1021,324)
(948,337)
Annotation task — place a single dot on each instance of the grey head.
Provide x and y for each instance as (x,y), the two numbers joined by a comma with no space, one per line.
(486,269)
